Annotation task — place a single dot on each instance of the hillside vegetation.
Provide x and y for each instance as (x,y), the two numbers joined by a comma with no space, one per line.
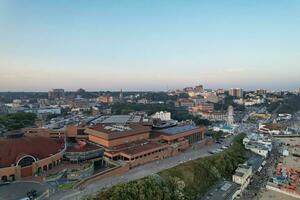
(187,181)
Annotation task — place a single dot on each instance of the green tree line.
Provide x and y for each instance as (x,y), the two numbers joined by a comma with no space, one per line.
(17,120)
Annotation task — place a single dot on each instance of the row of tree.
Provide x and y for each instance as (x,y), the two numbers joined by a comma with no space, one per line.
(17,120)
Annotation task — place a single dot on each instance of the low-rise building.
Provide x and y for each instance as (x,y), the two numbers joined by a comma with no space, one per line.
(242,176)
(257,148)
(162,115)
(202,107)
(224,190)
(214,116)
(22,156)
(186,103)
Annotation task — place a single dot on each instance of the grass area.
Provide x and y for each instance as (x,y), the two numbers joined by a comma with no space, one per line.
(67,186)
(198,175)
(187,181)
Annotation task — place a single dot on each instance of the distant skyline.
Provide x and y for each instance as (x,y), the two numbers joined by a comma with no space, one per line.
(149,45)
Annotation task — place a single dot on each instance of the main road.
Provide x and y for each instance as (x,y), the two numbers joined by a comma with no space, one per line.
(142,171)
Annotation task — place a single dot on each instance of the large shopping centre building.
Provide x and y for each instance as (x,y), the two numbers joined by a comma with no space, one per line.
(41,149)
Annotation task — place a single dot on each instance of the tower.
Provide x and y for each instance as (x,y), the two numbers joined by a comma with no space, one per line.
(230,118)
(121,95)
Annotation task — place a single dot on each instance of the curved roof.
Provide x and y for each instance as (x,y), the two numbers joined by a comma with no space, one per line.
(12,149)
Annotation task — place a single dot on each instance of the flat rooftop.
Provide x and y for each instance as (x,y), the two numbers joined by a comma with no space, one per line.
(255,161)
(222,190)
(178,129)
(117,119)
(119,128)
(135,147)
(142,148)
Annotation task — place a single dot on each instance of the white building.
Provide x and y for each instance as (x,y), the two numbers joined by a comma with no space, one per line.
(162,115)
(44,111)
(242,176)
(259,139)
(257,148)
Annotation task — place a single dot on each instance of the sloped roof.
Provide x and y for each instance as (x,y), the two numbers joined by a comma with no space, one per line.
(12,149)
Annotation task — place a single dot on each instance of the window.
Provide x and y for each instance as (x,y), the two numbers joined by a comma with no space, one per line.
(26,161)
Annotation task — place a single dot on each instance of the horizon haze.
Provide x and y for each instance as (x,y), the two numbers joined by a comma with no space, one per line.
(154,46)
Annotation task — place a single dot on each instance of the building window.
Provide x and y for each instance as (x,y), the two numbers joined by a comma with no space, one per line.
(26,161)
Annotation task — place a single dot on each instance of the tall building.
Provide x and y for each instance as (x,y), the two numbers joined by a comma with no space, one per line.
(198,88)
(261,91)
(56,94)
(220,91)
(236,92)
(121,95)
(105,99)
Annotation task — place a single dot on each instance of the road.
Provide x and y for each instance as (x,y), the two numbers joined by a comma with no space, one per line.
(260,179)
(142,171)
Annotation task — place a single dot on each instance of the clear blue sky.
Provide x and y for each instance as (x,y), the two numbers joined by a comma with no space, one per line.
(149,45)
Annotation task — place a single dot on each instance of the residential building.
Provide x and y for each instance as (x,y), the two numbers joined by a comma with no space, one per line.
(261,91)
(162,115)
(236,92)
(105,99)
(56,94)
(242,176)
(223,190)
(186,103)
(220,91)
(202,107)
(198,89)
(257,148)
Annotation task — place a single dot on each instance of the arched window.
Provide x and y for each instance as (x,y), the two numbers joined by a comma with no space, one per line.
(26,161)
(4,178)
(12,177)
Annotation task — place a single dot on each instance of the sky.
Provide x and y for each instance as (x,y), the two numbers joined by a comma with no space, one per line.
(149,45)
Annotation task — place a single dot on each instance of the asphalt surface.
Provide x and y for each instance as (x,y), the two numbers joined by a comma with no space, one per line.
(18,190)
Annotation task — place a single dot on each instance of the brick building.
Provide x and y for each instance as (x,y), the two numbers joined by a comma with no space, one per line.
(128,142)
(23,156)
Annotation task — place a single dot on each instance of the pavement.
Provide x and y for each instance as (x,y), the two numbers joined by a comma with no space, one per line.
(18,190)
(142,171)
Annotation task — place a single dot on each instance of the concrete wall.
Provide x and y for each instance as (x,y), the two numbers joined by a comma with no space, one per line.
(108,173)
